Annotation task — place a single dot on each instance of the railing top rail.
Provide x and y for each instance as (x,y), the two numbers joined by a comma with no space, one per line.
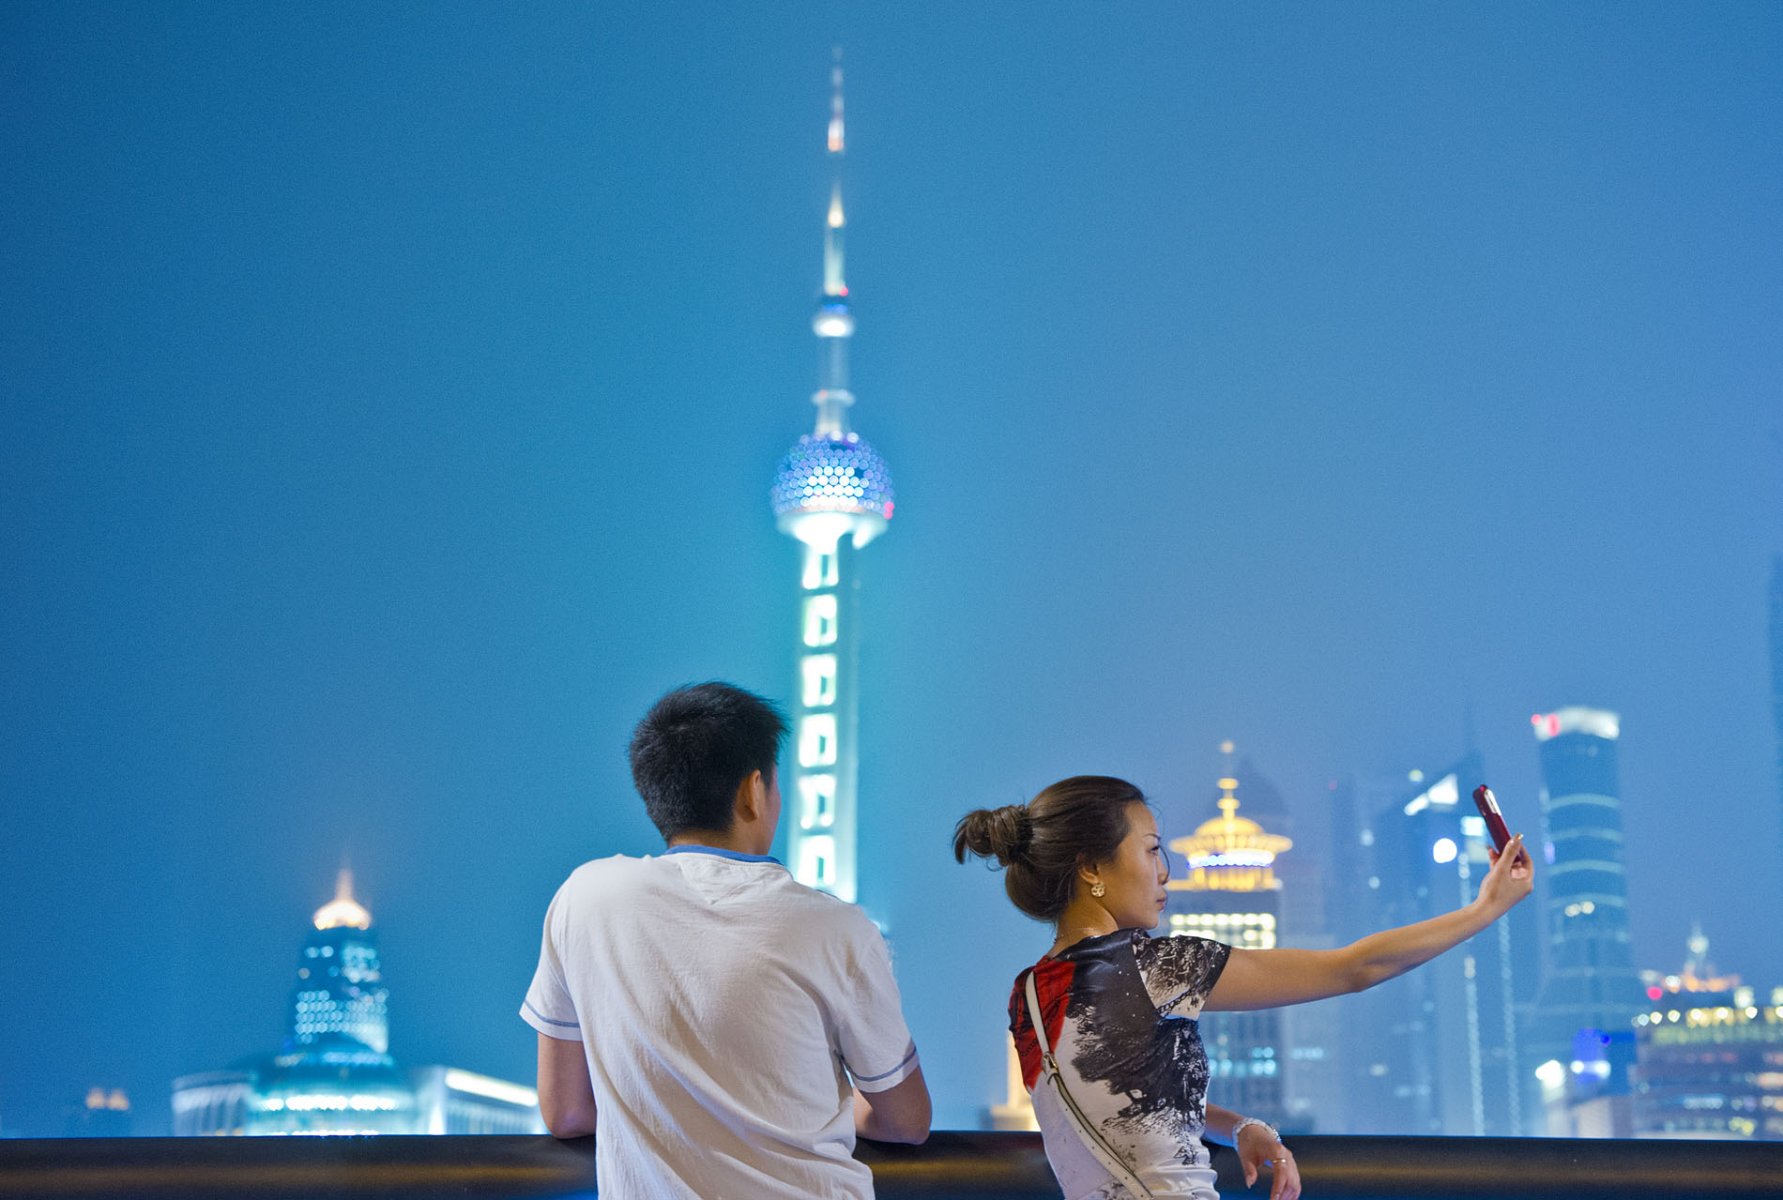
(980,1166)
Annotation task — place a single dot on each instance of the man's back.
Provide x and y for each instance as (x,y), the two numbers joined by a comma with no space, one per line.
(718,1001)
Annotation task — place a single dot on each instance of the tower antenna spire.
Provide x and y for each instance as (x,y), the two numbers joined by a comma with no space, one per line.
(834,323)
(835,285)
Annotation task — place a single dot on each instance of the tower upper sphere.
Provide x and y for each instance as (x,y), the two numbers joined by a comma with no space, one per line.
(829,485)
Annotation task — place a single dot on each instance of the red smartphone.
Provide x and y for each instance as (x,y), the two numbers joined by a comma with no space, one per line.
(1487,803)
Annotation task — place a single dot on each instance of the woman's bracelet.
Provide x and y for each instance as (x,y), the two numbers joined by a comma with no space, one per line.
(1249,1121)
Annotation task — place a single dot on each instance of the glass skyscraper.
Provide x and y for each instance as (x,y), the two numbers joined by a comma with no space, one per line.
(1589,981)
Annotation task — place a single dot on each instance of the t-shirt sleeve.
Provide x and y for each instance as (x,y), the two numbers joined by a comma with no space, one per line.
(1179,972)
(548,1007)
(871,1035)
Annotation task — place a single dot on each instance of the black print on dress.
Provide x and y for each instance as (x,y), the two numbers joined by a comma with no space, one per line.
(1155,1062)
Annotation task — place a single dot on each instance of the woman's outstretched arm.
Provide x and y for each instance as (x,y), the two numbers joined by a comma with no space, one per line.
(1271,978)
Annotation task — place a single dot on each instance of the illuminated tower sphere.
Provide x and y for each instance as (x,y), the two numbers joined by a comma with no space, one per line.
(833,492)
(1230,894)
(1590,982)
(340,988)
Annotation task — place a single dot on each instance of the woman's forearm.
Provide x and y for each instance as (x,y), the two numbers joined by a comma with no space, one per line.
(1220,1123)
(1392,952)
(1254,979)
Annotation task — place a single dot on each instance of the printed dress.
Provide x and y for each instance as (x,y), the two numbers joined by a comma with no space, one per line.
(1120,1012)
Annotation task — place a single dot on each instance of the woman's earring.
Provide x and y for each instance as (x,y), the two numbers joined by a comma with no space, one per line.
(1097,890)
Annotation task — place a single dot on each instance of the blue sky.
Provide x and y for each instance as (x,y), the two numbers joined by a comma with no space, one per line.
(391,396)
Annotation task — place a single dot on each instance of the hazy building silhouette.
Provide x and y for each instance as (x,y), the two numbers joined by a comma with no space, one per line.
(1589,980)
(103,1112)
(1453,1024)
(833,492)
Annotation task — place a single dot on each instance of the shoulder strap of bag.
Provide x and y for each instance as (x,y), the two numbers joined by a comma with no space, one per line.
(1092,1137)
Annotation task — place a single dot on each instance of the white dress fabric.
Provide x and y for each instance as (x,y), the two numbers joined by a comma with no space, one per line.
(723,1008)
(1121,1013)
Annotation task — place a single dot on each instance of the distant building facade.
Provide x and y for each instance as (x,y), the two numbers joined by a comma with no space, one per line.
(1589,980)
(335,1073)
(1709,1056)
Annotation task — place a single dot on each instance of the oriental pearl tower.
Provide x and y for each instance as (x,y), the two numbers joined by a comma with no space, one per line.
(833,492)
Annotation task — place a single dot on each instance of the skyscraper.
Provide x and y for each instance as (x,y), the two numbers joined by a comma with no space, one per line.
(340,984)
(1229,893)
(1589,981)
(833,492)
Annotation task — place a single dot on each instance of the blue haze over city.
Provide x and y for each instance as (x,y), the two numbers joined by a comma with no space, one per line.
(389,397)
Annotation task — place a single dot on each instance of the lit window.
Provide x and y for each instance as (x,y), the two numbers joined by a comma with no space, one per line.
(820,620)
(817,740)
(817,801)
(817,861)
(821,568)
(820,680)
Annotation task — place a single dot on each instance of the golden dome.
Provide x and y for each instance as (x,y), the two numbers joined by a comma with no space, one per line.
(1231,837)
(343,909)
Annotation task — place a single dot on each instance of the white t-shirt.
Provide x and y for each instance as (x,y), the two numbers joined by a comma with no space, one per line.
(723,1008)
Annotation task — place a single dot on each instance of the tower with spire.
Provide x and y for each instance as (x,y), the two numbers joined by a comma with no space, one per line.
(833,493)
(340,992)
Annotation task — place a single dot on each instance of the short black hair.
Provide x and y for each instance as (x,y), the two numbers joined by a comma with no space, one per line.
(695,746)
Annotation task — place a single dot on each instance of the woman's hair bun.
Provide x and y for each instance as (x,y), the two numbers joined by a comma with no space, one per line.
(999,833)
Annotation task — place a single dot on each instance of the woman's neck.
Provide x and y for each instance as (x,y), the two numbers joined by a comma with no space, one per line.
(1080,921)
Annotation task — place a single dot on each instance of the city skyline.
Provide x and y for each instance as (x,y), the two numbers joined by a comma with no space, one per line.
(390,391)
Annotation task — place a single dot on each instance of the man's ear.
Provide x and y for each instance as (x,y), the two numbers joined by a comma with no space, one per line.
(752,798)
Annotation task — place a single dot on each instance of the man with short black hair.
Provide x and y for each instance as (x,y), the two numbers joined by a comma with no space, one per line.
(703,1011)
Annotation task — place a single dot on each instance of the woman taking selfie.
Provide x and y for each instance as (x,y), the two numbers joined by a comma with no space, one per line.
(1116,1066)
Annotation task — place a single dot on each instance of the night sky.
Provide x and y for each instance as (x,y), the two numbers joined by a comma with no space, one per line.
(389,396)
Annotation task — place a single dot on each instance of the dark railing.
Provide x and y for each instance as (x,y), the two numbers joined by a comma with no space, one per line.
(971,1166)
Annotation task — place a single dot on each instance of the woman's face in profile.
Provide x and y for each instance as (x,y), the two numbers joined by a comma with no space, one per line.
(1135,876)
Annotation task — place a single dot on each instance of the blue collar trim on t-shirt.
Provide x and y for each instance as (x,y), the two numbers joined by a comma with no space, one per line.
(738,855)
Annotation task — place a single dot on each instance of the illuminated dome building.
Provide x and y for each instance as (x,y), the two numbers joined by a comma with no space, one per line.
(833,492)
(1229,893)
(335,1073)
